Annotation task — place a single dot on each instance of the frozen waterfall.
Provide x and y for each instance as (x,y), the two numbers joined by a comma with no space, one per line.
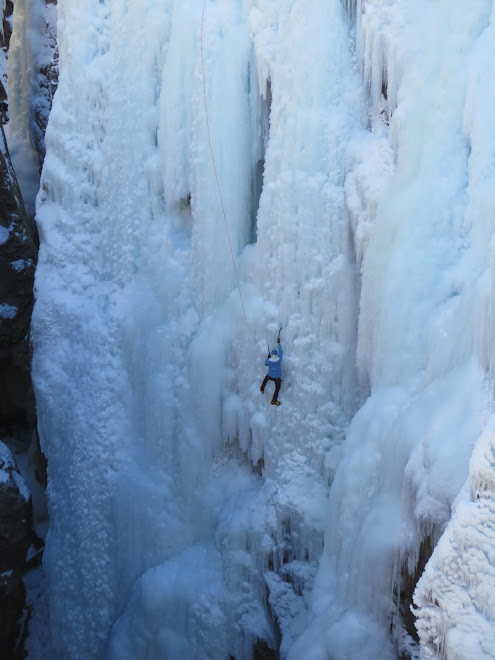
(354,150)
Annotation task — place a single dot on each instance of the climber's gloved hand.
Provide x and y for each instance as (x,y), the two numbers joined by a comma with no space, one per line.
(278,340)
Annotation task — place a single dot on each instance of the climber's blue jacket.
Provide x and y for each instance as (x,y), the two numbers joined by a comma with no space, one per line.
(274,364)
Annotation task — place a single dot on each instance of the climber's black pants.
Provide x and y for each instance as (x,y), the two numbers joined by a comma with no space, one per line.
(277,381)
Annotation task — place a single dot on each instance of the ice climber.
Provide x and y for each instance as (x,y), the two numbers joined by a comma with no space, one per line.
(274,364)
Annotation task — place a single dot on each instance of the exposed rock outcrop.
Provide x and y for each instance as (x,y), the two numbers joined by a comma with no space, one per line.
(17,264)
(18,256)
(15,541)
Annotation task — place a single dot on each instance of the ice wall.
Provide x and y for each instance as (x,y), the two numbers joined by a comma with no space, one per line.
(187,514)
(424,230)
(454,597)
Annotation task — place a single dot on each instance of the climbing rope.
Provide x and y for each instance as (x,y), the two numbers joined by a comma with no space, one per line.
(218,185)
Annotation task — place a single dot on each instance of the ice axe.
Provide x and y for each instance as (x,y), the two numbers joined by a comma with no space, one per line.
(278,341)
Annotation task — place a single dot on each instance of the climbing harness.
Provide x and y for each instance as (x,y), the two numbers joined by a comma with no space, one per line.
(218,184)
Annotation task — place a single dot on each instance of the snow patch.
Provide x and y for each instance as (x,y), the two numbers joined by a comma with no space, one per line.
(8,311)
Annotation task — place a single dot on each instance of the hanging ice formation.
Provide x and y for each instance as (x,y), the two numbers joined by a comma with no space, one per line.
(187,500)
(425,329)
(187,517)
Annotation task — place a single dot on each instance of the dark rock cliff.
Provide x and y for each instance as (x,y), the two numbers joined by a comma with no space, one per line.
(18,255)
(18,252)
(17,264)
(15,539)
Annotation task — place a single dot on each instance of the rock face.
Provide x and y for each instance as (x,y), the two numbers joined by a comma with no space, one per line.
(18,255)
(17,406)
(15,540)
(17,264)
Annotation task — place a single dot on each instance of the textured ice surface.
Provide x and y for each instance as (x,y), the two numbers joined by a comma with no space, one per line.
(180,500)
(164,457)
